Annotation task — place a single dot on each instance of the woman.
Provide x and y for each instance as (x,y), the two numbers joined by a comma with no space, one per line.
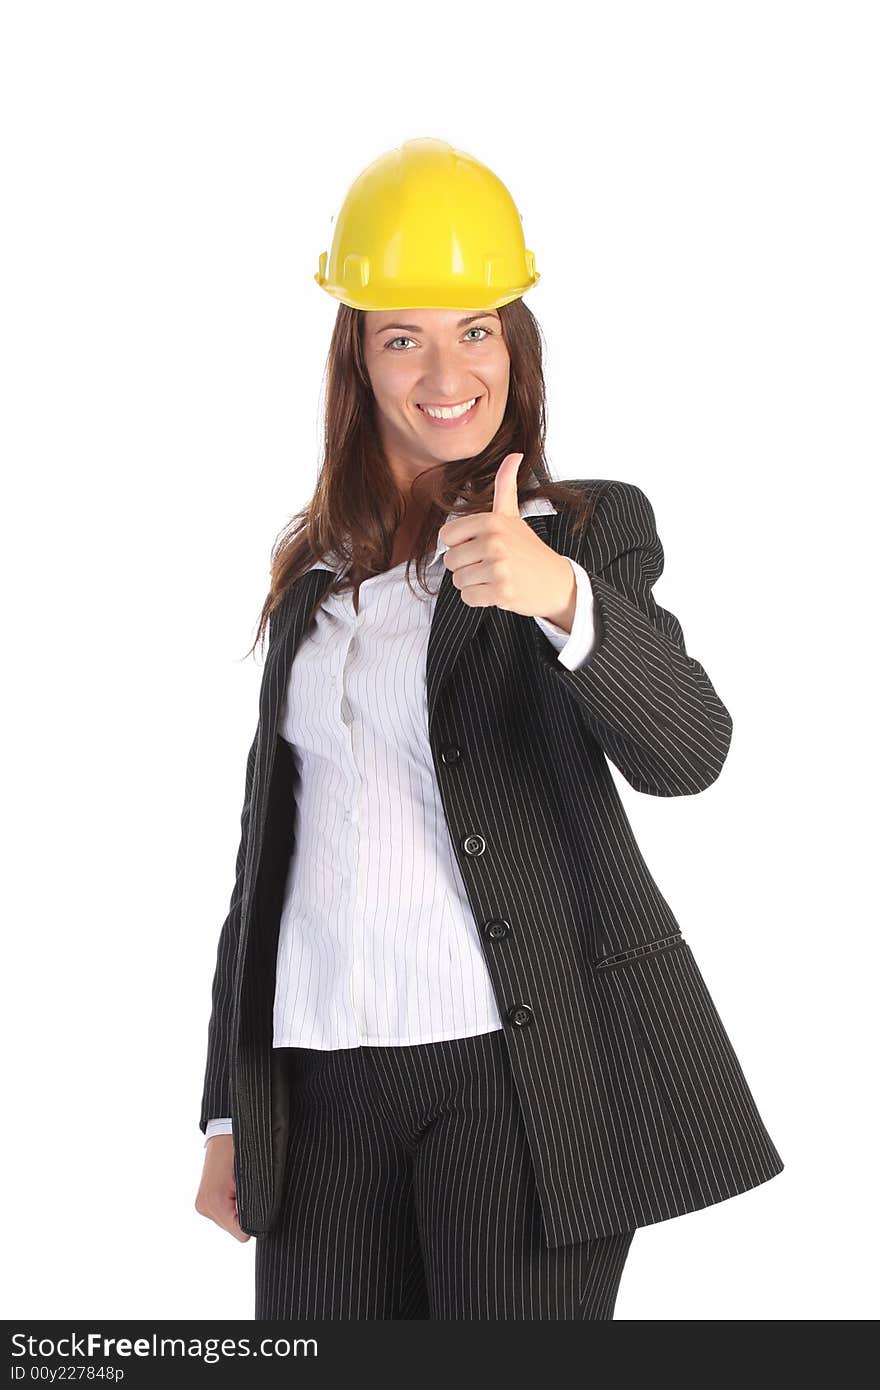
(459,1050)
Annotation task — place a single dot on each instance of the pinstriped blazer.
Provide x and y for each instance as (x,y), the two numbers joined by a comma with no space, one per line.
(635,1105)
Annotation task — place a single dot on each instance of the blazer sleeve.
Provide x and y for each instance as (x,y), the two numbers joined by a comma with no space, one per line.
(216,1090)
(650,706)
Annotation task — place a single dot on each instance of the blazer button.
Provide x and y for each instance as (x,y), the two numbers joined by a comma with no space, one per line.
(496,929)
(520,1014)
(451,754)
(473,844)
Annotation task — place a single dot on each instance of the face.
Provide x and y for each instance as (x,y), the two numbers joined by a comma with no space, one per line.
(419,358)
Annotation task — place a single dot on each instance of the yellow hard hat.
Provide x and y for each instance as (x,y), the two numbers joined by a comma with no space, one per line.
(427,226)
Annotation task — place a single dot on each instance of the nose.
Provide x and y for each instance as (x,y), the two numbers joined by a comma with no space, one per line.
(443,383)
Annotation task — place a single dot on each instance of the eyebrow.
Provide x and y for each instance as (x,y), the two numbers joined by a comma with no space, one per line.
(414,327)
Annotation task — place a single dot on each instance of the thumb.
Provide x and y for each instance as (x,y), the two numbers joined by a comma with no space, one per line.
(505,499)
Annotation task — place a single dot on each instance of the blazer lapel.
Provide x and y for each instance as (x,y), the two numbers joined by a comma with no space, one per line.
(286,628)
(454,623)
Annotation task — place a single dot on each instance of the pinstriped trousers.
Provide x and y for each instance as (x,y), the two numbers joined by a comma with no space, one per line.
(410,1193)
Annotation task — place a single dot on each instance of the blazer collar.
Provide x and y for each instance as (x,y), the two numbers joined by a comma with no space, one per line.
(453,624)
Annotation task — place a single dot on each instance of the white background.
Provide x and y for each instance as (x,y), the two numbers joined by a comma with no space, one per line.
(699,185)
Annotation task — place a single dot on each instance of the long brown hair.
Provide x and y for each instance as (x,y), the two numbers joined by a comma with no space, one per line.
(357,505)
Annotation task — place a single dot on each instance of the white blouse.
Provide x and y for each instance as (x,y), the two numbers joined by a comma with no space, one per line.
(377,943)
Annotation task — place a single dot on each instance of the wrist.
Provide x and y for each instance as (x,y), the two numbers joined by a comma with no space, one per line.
(563,615)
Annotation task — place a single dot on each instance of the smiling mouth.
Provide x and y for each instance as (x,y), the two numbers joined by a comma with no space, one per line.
(458,418)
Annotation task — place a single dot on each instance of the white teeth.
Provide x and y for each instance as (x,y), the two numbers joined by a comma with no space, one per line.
(449,412)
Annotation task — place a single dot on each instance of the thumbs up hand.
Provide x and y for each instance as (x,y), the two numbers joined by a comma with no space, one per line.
(497,560)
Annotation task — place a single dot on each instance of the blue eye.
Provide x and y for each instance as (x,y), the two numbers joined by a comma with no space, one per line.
(477,328)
